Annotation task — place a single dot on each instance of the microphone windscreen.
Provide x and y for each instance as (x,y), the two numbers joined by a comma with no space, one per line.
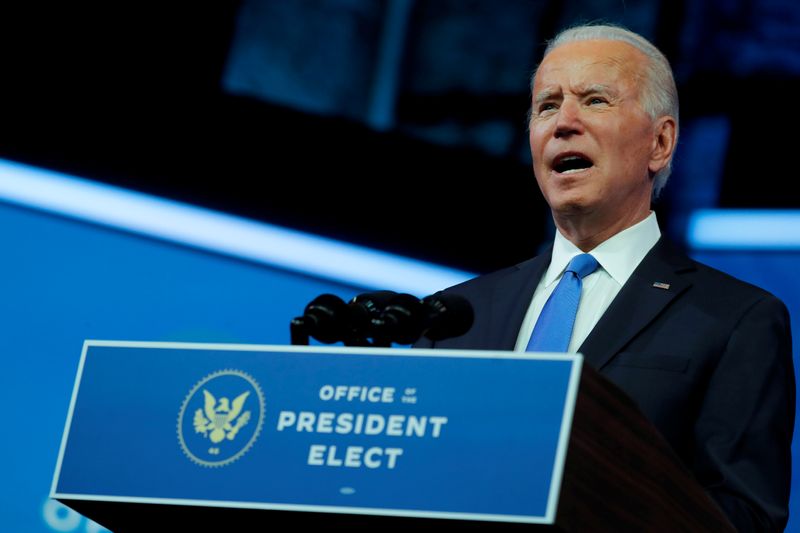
(403,319)
(325,316)
(450,315)
(366,307)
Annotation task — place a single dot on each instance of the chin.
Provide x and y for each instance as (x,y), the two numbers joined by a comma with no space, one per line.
(571,204)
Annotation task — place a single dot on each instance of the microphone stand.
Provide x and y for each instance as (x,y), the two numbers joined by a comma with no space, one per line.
(298,330)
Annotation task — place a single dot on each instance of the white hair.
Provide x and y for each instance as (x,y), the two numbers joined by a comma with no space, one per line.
(659,95)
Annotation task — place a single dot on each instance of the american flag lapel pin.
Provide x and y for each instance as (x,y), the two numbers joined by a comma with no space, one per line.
(661,285)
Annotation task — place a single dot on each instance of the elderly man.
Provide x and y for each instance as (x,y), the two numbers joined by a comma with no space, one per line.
(705,356)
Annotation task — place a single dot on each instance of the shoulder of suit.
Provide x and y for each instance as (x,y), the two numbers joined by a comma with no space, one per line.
(717,284)
(718,278)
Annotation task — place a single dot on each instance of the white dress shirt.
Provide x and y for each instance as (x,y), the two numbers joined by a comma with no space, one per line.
(618,257)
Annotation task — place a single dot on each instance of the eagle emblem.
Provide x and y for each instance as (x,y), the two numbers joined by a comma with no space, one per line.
(221,419)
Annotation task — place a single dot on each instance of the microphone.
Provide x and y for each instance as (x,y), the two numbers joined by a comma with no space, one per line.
(402,321)
(363,310)
(449,315)
(328,319)
(324,318)
(438,316)
(383,316)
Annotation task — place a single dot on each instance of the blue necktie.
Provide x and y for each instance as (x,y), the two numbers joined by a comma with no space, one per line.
(553,329)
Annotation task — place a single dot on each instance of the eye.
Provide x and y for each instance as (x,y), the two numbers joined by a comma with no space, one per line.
(547,106)
(595,100)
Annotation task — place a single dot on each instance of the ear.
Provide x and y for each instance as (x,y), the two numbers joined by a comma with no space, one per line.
(665,136)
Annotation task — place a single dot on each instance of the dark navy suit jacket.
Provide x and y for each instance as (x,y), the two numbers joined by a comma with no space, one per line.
(708,360)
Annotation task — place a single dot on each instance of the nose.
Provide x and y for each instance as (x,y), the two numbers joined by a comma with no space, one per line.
(568,119)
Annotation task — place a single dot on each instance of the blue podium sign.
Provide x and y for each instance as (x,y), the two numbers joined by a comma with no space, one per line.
(469,435)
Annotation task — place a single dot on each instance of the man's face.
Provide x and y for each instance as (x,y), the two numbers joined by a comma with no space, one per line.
(591,141)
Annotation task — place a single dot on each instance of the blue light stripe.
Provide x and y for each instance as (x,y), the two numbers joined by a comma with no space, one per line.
(218,232)
(744,229)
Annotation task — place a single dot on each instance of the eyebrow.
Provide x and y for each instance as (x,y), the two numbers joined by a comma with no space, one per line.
(546,94)
(543,95)
(596,88)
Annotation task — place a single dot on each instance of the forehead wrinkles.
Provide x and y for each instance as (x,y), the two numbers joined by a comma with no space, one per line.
(582,74)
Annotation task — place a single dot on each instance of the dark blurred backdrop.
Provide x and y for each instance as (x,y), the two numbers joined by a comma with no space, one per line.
(398,124)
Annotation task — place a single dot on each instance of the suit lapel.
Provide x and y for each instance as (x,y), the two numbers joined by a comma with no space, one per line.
(511,298)
(638,303)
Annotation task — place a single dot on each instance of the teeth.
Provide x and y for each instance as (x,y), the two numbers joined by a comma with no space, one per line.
(572,171)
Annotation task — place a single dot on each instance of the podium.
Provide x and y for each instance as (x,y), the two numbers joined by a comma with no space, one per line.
(239,437)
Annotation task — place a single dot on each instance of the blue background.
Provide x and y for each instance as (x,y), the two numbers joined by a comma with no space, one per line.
(63,281)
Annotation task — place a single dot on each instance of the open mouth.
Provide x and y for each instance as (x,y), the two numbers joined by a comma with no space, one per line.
(571,163)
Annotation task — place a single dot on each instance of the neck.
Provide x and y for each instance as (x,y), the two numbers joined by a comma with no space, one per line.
(587,232)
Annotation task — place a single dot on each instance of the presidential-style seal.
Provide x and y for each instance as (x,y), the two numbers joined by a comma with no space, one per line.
(221,418)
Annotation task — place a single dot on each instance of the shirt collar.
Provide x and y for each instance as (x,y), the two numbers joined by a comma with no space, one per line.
(618,255)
